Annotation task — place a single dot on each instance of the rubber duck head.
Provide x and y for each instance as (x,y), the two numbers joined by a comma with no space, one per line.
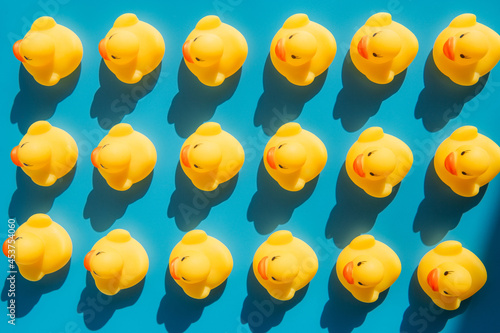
(105,264)
(297,48)
(467,162)
(201,157)
(375,163)
(364,271)
(450,279)
(381,46)
(192,267)
(279,267)
(120,48)
(287,157)
(28,248)
(204,50)
(36,49)
(467,47)
(112,158)
(31,155)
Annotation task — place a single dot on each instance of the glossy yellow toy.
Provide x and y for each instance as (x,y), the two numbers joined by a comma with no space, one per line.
(116,262)
(383,48)
(302,49)
(367,267)
(214,51)
(467,160)
(450,273)
(294,156)
(40,246)
(377,162)
(284,264)
(211,156)
(200,263)
(46,153)
(466,50)
(124,157)
(132,48)
(49,51)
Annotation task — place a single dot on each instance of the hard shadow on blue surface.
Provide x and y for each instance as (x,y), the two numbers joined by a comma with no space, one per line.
(195,103)
(30,198)
(343,313)
(28,293)
(361,98)
(105,205)
(190,205)
(282,101)
(38,102)
(98,308)
(423,316)
(272,205)
(441,209)
(442,100)
(178,311)
(260,310)
(115,99)
(355,212)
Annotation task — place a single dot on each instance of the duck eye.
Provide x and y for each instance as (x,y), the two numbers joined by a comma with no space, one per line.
(196,166)
(273,258)
(375,34)
(462,35)
(95,273)
(280,146)
(102,166)
(272,277)
(196,145)
(198,59)
(183,258)
(444,291)
(112,56)
(446,273)
(375,55)
(370,153)
(464,173)
(19,237)
(360,284)
(294,57)
(25,57)
(26,164)
(183,278)
(281,167)
(372,174)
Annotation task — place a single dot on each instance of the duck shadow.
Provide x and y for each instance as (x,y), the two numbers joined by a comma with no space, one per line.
(361,98)
(441,209)
(195,103)
(260,310)
(422,315)
(442,100)
(343,312)
(30,198)
(190,205)
(355,212)
(177,311)
(272,205)
(38,102)
(105,205)
(282,101)
(28,293)
(115,99)
(98,308)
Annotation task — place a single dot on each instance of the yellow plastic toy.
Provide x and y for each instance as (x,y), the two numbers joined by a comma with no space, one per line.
(467,160)
(40,246)
(211,156)
(124,157)
(294,156)
(214,51)
(367,267)
(302,50)
(466,50)
(383,48)
(450,273)
(117,261)
(46,153)
(132,48)
(284,264)
(377,162)
(49,51)
(200,263)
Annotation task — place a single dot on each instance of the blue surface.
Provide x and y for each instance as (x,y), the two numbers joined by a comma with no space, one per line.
(420,107)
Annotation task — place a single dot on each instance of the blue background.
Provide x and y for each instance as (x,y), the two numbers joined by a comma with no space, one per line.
(421,107)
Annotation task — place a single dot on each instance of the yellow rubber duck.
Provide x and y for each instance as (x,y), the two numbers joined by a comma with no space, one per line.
(214,51)
(467,160)
(383,48)
(211,156)
(117,261)
(450,273)
(124,157)
(40,246)
(367,267)
(132,48)
(49,51)
(377,162)
(200,263)
(284,264)
(466,50)
(46,153)
(302,50)
(294,156)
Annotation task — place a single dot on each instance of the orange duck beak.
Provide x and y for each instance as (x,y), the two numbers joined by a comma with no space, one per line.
(363,47)
(172,269)
(94,155)
(450,164)
(185,51)
(86,261)
(280,50)
(262,268)
(102,49)
(358,165)
(347,272)
(449,48)
(432,279)
(270,157)
(14,156)
(17,51)
(184,156)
